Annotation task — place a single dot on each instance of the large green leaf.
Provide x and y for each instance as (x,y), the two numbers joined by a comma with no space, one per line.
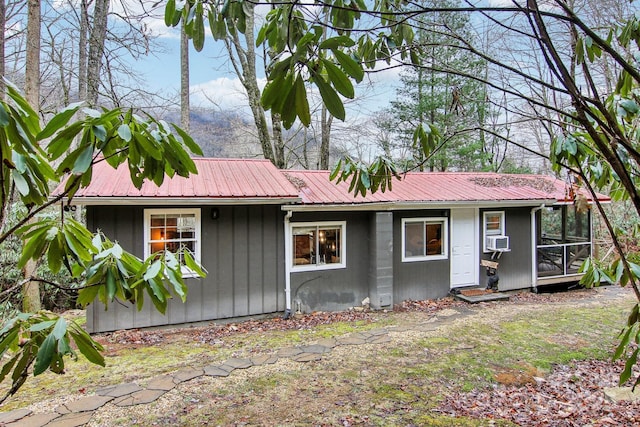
(45,355)
(59,120)
(339,79)
(329,96)
(350,65)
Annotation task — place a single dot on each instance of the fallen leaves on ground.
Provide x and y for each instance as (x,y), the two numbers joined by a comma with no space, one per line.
(570,396)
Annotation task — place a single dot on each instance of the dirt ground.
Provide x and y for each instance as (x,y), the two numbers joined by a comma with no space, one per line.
(388,384)
(536,360)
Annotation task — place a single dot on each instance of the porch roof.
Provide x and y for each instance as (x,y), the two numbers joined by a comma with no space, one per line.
(437,188)
(217,181)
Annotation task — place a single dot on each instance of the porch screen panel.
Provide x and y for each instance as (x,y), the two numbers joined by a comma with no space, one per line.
(564,241)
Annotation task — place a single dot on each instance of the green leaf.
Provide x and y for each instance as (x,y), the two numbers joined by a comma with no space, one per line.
(84,160)
(60,329)
(124,132)
(192,265)
(58,121)
(4,116)
(198,28)
(45,355)
(42,326)
(111,285)
(87,346)
(329,96)
(188,141)
(336,42)
(153,270)
(169,11)
(339,79)
(353,68)
(87,295)
(301,101)
(628,366)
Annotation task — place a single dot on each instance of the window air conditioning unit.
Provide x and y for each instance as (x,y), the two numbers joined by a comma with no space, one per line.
(498,243)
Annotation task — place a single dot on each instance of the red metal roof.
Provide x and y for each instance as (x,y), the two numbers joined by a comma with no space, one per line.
(430,187)
(259,181)
(216,179)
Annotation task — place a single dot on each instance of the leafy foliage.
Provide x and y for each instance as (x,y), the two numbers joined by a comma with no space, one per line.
(150,150)
(597,136)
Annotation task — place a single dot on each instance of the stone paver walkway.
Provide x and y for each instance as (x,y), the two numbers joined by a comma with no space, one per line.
(79,412)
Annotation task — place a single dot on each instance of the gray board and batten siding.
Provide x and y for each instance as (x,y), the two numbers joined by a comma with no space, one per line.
(242,251)
(335,289)
(515,266)
(418,280)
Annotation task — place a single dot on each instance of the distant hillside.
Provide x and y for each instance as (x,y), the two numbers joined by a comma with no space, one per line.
(221,133)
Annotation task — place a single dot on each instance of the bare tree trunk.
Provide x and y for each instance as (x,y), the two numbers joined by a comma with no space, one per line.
(278,145)
(325,138)
(244,64)
(82,50)
(31,290)
(3,29)
(184,81)
(96,50)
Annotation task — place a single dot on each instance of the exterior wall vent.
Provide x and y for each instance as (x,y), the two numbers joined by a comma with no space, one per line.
(498,243)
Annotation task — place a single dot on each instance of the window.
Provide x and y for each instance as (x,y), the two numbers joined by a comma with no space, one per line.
(424,239)
(172,230)
(318,245)
(493,225)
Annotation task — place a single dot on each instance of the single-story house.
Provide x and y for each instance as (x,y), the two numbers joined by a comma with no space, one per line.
(274,240)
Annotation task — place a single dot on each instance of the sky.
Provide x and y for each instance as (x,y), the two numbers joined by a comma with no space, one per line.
(214,84)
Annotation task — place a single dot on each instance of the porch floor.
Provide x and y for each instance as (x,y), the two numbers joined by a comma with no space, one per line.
(476,295)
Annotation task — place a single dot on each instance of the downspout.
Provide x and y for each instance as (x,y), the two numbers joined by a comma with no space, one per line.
(534,248)
(287,264)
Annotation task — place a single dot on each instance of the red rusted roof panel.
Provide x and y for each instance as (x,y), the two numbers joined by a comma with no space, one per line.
(315,188)
(216,178)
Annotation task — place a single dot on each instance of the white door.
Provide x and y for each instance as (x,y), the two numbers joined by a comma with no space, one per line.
(464,247)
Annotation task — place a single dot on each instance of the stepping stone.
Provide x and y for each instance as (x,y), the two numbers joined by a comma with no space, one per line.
(89,403)
(215,371)
(36,420)
(360,335)
(315,348)
(328,342)
(164,382)
(426,327)
(226,368)
(187,375)
(380,331)
(617,394)
(119,390)
(307,357)
(239,363)
(379,339)
(264,360)
(72,420)
(351,341)
(289,352)
(11,416)
(139,398)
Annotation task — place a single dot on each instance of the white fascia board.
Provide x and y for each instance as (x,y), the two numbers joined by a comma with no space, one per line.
(178,201)
(397,206)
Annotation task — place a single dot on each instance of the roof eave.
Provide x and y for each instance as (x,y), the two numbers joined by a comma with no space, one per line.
(181,201)
(392,206)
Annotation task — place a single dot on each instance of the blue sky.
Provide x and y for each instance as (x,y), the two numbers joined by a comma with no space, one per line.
(214,83)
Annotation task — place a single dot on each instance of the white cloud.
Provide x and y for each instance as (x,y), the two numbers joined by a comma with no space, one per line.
(223,93)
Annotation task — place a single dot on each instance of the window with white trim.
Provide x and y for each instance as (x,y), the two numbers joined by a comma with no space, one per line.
(424,239)
(318,246)
(493,225)
(172,230)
